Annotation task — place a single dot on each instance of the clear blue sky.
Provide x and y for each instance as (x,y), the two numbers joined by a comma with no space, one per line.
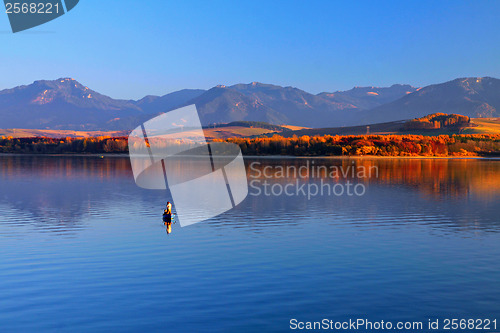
(127,49)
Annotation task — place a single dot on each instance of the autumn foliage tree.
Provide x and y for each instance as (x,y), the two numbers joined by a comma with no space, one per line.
(325,145)
(377,145)
(436,121)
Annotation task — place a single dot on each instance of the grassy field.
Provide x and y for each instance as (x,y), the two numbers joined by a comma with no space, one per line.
(33,133)
(484,126)
(478,126)
(294,128)
(382,128)
(210,133)
(234,132)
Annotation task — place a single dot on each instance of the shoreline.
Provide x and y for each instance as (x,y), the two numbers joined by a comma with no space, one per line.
(67,155)
(373,157)
(272,157)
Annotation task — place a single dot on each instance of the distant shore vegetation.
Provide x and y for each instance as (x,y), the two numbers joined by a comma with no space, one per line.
(377,145)
(437,121)
(43,145)
(326,145)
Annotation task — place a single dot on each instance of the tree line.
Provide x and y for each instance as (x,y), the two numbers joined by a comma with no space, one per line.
(43,145)
(378,145)
(436,121)
(326,145)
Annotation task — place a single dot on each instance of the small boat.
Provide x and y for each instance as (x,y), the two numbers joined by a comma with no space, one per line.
(168,218)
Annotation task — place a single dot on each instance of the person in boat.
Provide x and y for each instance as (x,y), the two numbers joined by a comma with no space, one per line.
(167,217)
(169,208)
(167,213)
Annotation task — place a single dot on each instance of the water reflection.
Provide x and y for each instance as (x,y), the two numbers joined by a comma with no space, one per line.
(168,218)
(431,177)
(168,227)
(61,193)
(422,242)
(444,194)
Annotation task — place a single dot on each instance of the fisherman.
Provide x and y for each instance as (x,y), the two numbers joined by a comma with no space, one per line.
(167,213)
(169,208)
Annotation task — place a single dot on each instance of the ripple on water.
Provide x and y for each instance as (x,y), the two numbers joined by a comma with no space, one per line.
(97,257)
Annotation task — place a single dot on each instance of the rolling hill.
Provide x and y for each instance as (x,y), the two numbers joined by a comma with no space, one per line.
(476,126)
(257,129)
(484,126)
(234,129)
(39,133)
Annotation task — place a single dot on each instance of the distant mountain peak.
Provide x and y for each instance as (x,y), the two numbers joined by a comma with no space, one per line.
(68,89)
(365,98)
(474,97)
(63,103)
(260,84)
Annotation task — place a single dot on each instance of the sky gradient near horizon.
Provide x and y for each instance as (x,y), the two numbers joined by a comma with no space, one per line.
(129,49)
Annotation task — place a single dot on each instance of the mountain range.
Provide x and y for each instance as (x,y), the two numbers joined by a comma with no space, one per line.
(66,104)
(474,97)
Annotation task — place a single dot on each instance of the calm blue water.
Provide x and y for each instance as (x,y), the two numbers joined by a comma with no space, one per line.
(83,249)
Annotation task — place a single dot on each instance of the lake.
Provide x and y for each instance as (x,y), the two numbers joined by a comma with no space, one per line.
(82,248)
